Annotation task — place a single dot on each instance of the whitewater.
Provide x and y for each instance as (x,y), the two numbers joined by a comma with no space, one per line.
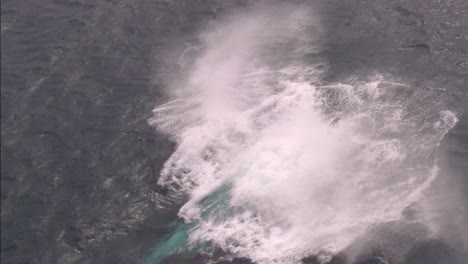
(273,162)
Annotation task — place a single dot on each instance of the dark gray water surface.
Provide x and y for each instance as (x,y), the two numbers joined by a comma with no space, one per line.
(79,79)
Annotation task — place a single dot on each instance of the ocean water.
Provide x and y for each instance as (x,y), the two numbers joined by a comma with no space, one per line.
(185,131)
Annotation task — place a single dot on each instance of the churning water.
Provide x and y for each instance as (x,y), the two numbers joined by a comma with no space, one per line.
(274,163)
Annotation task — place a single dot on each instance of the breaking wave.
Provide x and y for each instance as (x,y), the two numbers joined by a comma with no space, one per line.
(274,163)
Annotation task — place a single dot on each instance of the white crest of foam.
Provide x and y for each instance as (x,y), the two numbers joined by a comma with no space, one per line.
(302,167)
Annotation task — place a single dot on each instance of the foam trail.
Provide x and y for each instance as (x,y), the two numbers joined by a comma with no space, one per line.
(267,175)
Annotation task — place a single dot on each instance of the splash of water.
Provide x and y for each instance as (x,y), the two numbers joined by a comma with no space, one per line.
(278,166)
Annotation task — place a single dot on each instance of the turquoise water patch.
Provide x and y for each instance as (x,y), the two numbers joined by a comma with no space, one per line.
(215,206)
(173,243)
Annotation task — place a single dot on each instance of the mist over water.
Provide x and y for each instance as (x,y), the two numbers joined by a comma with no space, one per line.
(275,163)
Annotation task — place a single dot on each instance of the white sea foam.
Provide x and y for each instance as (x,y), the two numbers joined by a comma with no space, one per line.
(277,166)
